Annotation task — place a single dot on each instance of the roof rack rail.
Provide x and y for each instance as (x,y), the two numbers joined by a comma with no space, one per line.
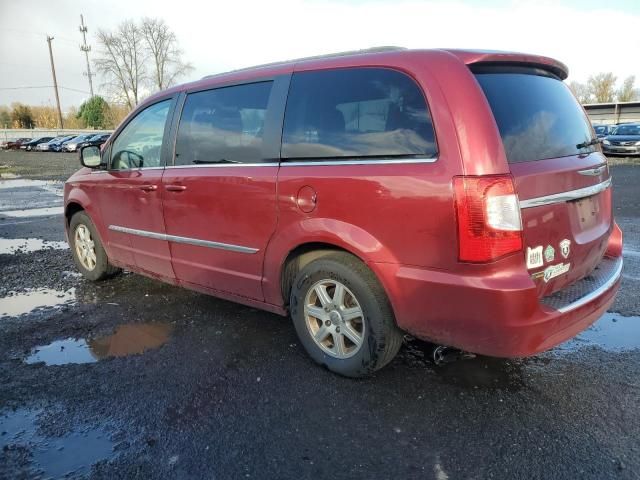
(385,48)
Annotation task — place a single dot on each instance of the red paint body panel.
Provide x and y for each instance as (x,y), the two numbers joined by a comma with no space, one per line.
(398,218)
(231,205)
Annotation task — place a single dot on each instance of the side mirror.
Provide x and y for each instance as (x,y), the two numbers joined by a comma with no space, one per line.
(90,156)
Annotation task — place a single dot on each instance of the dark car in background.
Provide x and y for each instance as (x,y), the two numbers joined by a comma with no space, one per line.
(28,146)
(14,143)
(55,145)
(625,140)
(96,140)
(48,146)
(604,130)
(72,145)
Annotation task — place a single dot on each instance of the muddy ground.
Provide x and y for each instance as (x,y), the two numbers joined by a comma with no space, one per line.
(131,378)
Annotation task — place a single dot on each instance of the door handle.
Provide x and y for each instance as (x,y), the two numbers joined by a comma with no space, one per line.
(148,188)
(175,188)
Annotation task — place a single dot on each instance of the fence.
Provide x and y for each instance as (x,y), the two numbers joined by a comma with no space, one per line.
(613,113)
(11,133)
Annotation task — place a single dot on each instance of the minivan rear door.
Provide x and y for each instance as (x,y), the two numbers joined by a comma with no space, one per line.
(561,176)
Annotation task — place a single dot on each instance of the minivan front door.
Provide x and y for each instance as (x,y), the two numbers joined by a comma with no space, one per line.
(131,195)
(220,195)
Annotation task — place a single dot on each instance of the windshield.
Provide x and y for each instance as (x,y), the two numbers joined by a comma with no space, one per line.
(538,116)
(628,130)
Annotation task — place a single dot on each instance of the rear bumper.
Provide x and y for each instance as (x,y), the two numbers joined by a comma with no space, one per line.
(500,315)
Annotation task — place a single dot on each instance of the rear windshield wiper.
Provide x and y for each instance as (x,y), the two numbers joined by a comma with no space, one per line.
(588,143)
(221,160)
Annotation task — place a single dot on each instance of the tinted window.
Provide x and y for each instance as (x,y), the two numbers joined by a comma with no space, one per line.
(223,125)
(628,130)
(538,116)
(356,112)
(139,145)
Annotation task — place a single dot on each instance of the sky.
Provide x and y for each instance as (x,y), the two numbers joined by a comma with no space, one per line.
(589,36)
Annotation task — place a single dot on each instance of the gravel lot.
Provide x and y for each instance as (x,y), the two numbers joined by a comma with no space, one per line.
(225,391)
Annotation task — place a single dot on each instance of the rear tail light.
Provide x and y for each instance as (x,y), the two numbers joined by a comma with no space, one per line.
(488,214)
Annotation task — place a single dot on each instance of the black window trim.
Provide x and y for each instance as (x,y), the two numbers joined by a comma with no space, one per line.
(165,135)
(274,119)
(365,159)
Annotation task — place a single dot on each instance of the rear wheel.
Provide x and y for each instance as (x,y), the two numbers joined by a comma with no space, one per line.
(343,317)
(88,253)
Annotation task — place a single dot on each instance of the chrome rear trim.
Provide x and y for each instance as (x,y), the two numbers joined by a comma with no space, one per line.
(190,241)
(593,172)
(566,196)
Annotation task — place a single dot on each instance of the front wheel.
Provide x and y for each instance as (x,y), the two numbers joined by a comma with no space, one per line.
(88,253)
(343,317)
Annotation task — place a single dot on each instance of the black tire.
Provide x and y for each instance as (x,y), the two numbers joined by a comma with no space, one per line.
(381,337)
(103,269)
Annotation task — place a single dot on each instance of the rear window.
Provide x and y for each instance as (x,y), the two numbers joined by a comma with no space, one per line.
(356,112)
(538,116)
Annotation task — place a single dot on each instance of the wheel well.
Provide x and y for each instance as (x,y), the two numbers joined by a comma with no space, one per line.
(298,258)
(71,210)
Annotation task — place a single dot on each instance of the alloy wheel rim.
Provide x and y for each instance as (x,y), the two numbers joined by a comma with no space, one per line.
(334,318)
(85,247)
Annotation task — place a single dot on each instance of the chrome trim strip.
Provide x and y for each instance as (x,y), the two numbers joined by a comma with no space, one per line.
(593,172)
(362,161)
(597,292)
(566,196)
(218,165)
(187,240)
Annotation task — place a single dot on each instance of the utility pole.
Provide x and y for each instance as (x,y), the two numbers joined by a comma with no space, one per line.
(86,49)
(55,82)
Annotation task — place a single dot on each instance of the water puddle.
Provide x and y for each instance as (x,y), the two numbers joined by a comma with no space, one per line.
(612,333)
(33,212)
(17,304)
(70,455)
(26,245)
(128,339)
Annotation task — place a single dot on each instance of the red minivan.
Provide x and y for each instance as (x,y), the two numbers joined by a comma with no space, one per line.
(460,196)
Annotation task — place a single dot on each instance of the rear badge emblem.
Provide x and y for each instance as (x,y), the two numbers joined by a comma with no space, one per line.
(534,257)
(549,254)
(565,246)
(553,271)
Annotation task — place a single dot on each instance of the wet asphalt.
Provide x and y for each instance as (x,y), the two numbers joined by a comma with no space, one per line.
(131,378)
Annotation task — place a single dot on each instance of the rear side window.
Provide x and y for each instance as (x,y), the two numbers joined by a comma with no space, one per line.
(538,116)
(356,112)
(224,125)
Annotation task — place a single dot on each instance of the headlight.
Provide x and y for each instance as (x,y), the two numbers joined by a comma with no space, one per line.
(637,143)
(606,142)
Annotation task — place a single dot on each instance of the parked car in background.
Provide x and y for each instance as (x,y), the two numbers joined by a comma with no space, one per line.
(47,146)
(55,145)
(13,144)
(603,130)
(95,140)
(72,145)
(31,145)
(364,196)
(625,140)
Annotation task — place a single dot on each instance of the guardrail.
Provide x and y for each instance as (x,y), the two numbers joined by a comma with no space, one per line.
(11,133)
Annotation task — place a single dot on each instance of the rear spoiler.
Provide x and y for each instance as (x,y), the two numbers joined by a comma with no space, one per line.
(506,59)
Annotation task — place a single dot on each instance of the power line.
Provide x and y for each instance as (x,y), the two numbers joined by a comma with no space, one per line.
(45,86)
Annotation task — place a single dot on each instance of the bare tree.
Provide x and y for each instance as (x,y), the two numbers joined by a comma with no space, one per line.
(628,92)
(162,46)
(122,61)
(602,87)
(581,91)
